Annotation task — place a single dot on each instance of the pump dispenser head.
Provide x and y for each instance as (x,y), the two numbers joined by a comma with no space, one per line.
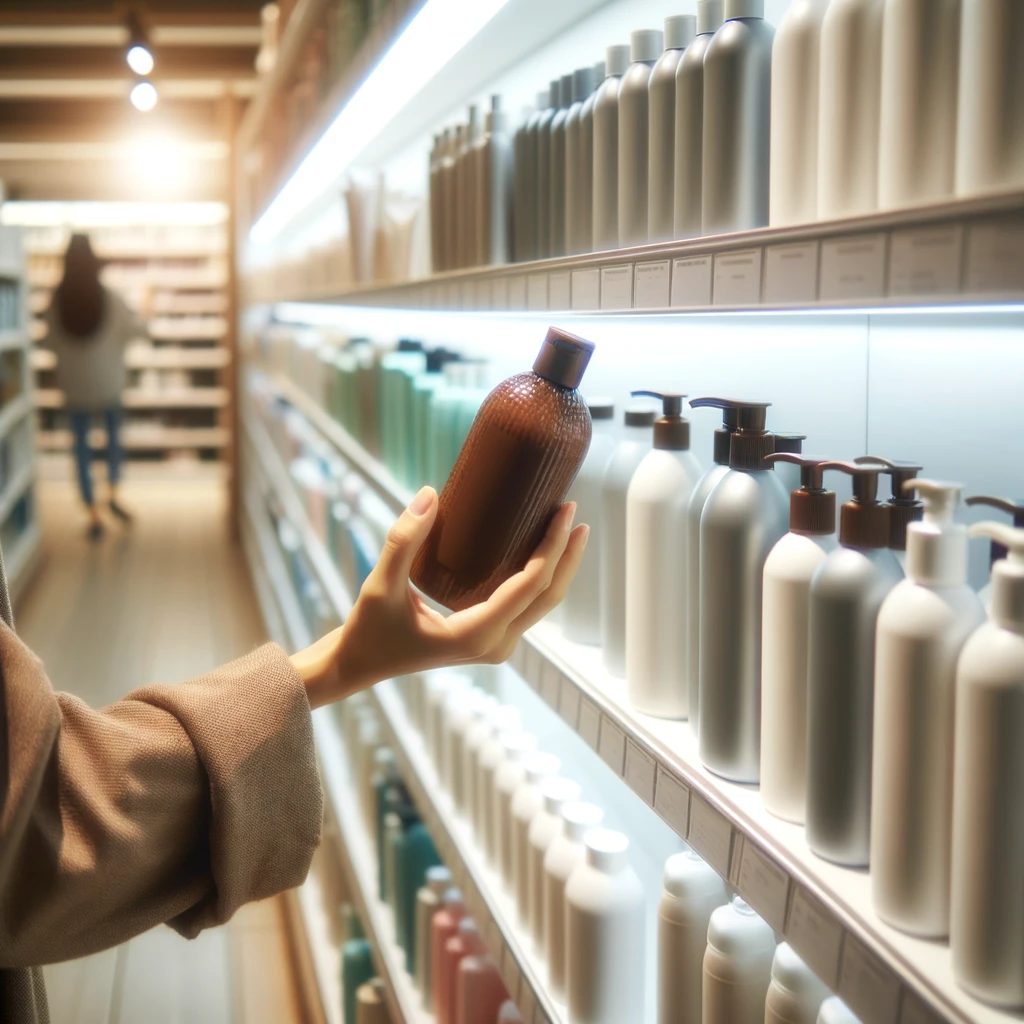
(812,508)
(1007,574)
(904,508)
(863,522)
(671,432)
(937,546)
(582,84)
(1013,507)
(563,358)
(750,441)
(680,30)
(616,61)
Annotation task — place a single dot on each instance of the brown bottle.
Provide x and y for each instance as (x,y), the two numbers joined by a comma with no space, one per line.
(523,451)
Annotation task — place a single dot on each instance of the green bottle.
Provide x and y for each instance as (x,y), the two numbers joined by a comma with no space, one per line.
(356,962)
(415,853)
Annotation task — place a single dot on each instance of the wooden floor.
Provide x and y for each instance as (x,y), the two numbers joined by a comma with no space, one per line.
(167,600)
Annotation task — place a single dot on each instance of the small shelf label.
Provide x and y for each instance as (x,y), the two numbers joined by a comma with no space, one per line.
(764,885)
(738,278)
(586,289)
(791,273)
(691,281)
(640,771)
(672,801)
(995,258)
(612,745)
(558,290)
(569,702)
(589,726)
(483,294)
(710,834)
(866,985)
(926,261)
(852,268)
(537,292)
(651,285)
(517,292)
(499,293)
(815,935)
(617,287)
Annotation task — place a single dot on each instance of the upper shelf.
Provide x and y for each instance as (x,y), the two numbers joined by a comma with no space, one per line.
(824,910)
(963,251)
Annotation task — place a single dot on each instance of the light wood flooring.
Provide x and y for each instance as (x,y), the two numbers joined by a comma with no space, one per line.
(168,599)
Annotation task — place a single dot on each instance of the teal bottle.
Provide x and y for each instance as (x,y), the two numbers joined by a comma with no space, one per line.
(356,962)
(414,855)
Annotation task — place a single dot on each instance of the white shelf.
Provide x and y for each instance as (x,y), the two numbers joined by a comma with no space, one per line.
(13,337)
(153,358)
(188,328)
(148,398)
(824,910)
(141,437)
(16,487)
(964,251)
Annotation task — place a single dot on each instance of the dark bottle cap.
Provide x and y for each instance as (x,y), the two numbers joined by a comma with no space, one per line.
(360,340)
(565,92)
(1012,506)
(438,357)
(792,443)
(671,432)
(904,507)
(582,83)
(639,418)
(863,522)
(601,408)
(723,437)
(812,509)
(563,358)
(554,93)
(409,345)
(749,442)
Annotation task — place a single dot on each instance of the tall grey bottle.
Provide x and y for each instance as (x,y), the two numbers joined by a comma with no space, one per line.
(645,47)
(847,590)
(582,238)
(493,190)
(436,153)
(579,170)
(606,150)
(449,195)
(680,30)
(524,194)
(556,173)
(705,485)
(737,121)
(544,171)
(689,128)
(743,518)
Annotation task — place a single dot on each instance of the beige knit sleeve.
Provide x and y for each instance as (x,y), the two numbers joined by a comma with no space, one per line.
(177,804)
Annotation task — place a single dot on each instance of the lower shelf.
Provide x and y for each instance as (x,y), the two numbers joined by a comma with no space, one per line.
(144,439)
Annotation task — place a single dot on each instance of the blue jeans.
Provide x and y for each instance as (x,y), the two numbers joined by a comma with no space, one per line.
(81,421)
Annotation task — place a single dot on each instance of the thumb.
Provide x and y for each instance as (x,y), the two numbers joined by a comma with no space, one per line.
(405,538)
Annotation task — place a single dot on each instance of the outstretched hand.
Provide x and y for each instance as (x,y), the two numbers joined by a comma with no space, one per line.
(392,631)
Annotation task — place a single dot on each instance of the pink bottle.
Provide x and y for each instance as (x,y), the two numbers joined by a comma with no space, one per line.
(443,927)
(479,990)
(465,942)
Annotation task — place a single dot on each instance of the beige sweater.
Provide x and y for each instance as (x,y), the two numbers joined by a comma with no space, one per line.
(177,804)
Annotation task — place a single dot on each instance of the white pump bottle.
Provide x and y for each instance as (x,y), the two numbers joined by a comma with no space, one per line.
(922,625)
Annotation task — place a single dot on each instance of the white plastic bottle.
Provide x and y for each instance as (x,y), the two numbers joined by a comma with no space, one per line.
(439,686)
(474,732)
(849,107)
(987,914)
(634,443)
(693,890)
(835,1011)
(689,129)
(460,711)
(546,825)
(556,169)
(737,120)
(917,135)
(604,924)
(581,609)
(796,993)
(1015,508)
(579,165)
(784,638)
(737,966)
(656,549)
(645,46)
(516,746)
(543,190)
(527,801)
(605,221)
(680,30)
(564,852)
(922,625)
(990,114)
(505,718)
(793,176)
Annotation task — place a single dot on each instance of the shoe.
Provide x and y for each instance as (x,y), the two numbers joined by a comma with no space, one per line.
(121,512)
(95,531)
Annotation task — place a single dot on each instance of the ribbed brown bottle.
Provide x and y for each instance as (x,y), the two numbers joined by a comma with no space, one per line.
(523,451)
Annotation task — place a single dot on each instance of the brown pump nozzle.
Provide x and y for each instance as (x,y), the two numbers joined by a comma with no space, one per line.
(904,507)
(672,431)
(750,441)
(812,508)
(863,522)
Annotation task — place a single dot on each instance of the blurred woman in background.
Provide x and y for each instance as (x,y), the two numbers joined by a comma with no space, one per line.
(88,328)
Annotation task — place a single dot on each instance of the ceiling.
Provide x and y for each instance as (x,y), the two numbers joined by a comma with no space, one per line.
(67,128)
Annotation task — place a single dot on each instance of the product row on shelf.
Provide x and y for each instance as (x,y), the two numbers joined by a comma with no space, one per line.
(826,673)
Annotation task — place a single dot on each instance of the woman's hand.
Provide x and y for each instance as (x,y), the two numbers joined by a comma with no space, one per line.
(392,631)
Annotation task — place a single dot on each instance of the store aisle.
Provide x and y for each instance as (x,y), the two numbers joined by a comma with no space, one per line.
(169,599)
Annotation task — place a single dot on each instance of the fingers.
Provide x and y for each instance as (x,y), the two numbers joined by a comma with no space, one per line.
(404,539)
